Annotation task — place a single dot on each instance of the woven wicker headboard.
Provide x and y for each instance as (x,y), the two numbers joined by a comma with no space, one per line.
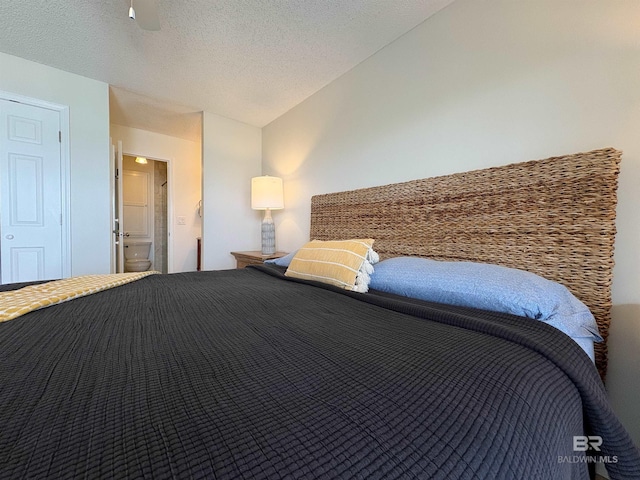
(554,217)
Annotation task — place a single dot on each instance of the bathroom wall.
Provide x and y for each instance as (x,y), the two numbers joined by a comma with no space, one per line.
(160,216)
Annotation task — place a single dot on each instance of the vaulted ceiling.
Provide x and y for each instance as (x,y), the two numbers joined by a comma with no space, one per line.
(249,60)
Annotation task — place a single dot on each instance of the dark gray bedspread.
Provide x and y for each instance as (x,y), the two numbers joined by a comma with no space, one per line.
(239,374)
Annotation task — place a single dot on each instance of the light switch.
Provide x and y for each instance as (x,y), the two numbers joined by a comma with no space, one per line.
(182,220)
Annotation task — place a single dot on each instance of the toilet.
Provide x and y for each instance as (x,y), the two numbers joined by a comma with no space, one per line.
(136,256)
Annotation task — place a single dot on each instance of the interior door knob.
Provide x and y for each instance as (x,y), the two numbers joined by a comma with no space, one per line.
(9,237)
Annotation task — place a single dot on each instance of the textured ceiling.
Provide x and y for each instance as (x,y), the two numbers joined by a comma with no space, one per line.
(250,60)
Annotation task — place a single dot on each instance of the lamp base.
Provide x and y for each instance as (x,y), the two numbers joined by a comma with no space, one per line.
(268,234)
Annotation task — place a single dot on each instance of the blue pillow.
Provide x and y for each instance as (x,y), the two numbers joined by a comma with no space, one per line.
(487,287)
(282,261)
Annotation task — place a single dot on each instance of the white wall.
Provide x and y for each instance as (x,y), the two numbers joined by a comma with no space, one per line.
(88,102)
(184,172)
(483,84)
(231,155)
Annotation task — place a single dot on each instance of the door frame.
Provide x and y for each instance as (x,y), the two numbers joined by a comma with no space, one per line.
(169,163)
(65,169)
(115,185)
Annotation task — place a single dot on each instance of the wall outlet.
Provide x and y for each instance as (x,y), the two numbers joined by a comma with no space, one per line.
(181,220)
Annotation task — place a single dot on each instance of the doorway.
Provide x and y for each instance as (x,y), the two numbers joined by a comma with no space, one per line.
(145,208)
(149,208)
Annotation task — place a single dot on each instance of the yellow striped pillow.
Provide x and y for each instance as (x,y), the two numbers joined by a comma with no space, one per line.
(343,263)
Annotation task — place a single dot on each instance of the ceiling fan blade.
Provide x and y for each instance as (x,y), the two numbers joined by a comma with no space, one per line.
(147,14)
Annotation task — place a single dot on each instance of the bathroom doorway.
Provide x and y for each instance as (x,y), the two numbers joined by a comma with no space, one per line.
(145,214)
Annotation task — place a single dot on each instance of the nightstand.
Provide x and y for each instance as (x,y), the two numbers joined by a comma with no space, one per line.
(254,257)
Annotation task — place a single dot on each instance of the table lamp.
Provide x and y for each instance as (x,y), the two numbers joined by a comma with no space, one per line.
(267,195)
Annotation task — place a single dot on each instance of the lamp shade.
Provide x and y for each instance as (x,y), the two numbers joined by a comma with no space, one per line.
(266,193)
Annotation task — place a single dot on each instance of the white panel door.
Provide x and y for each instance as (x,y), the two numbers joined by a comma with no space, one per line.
(30,193)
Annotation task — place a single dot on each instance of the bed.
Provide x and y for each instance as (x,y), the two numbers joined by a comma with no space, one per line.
(254,373)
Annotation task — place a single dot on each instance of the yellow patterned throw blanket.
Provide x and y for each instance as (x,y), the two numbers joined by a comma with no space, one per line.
(24,300)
